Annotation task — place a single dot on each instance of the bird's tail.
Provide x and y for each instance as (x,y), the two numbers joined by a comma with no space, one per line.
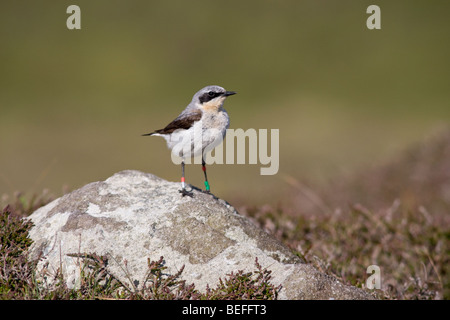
(149,134)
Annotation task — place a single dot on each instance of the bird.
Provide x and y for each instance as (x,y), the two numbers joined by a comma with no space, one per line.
(199,128)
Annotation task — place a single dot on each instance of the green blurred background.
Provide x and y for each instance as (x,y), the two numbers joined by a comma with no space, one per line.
(73,103)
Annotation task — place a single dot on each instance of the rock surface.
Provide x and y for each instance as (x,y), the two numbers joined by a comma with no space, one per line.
(135,216)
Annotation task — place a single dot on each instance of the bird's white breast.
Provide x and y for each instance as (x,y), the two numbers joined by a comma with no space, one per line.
(202,137)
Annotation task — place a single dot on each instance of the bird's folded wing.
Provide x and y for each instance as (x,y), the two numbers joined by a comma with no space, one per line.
(184,121)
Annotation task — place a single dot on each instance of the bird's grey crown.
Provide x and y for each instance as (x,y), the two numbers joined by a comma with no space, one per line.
(208,89)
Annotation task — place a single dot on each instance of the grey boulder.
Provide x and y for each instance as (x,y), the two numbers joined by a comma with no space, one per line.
(133,216)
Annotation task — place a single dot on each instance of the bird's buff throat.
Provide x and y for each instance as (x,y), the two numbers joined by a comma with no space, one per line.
(213,105)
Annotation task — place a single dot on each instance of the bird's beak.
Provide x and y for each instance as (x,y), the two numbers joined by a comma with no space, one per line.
(229,93)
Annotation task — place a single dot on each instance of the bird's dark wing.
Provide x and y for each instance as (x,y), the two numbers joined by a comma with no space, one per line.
(184,121)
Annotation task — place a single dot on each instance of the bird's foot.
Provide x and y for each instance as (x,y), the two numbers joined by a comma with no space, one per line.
(184,192)
(208,192)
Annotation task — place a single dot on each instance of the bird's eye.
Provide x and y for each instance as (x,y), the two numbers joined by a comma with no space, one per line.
(211,93)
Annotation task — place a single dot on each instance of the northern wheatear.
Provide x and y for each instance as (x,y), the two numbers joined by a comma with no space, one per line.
(198,129)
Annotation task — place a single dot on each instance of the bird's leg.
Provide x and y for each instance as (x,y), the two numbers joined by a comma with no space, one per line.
(183,190)
(207,189)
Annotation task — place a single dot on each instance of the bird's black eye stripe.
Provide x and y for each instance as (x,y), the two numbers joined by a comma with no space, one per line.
(207,96)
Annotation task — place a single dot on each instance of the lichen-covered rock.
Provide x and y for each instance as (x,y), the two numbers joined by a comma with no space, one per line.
(133,216)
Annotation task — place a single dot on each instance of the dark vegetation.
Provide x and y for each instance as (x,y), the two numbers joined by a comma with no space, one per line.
(396,216)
